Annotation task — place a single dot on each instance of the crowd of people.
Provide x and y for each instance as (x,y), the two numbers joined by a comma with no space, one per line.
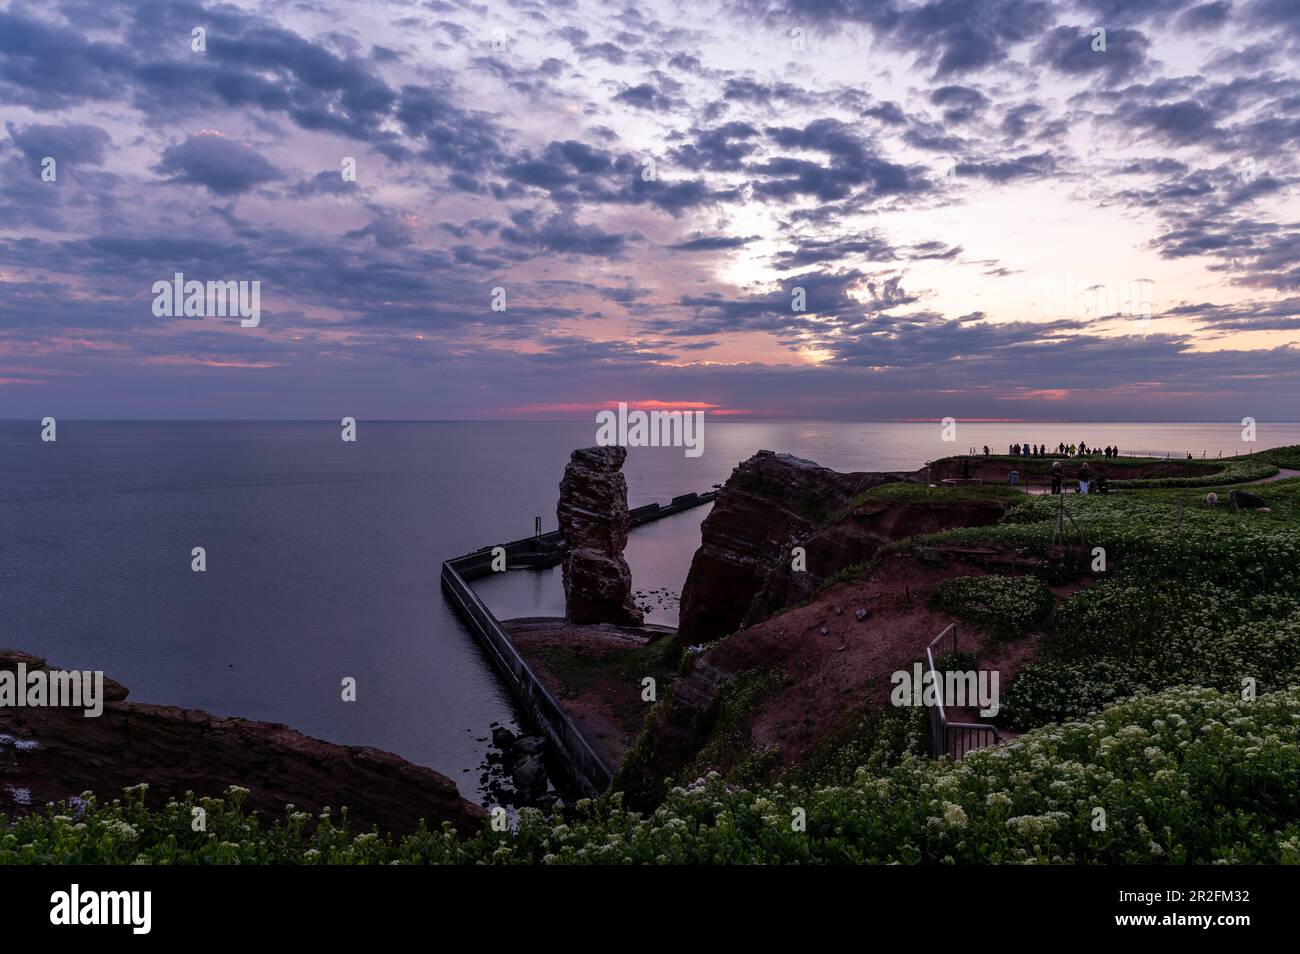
(1060,450)
(1089,479)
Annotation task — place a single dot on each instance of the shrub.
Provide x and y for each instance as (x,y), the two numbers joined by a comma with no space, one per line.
(1187,776)
(1005,607)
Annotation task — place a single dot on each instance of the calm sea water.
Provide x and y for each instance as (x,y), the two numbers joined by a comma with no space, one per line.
(323,557)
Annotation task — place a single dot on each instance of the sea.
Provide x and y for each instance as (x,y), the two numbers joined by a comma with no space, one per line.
(323,556)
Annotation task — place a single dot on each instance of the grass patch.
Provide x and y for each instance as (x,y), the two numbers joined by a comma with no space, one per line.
(729,745)
(913,493)
(579,670)
(874,742)
(1005,607)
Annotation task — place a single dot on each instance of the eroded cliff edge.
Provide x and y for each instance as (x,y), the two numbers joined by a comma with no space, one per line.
(779,664)
(50,754)
(744,571)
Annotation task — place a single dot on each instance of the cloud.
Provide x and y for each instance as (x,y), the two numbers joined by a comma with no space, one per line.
(1182,123)
(719,149)
(1008,170)
(1070,50)
(223,166)
(1204,17)
(713,243)
(960,104)
(647,96)
(529,167)
(560,233)
(71,144)
(853,163)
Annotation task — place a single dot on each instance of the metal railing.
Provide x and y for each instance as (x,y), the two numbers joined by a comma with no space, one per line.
(946,737)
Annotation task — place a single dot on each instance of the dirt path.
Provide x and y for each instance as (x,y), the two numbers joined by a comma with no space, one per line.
(1282,474)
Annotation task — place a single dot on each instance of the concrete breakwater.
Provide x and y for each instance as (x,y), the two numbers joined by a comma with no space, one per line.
(586,769)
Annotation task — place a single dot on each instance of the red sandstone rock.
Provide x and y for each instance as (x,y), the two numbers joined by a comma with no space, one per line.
(593,518)
(49,754)
(742,572)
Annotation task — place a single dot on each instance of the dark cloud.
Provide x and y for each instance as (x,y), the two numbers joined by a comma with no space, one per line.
(960,36)
(869,248)
(329,182)
(386,228)
(933,250)
(720,149)
(85,70)
(608,52)
(960,104)
(222,165)
(476,162)
(72,144)
(1123,11)
(1016,120)
(646,96)
(465,140)
(1278,315)
(1008,170)
(560,233)
(1070,50)
(713,243)
(853,164)
(891,114)
(1179,124)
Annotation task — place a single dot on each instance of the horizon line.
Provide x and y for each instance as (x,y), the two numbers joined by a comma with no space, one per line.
(726,419)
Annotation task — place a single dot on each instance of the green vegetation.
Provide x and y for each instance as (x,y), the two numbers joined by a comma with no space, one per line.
(1186,776)
(578,669)
(1041,466)
(1236,471)
(729,746)
(913,493)
(874,742)
(1211,601)
(1211,473)
(1288,456)
(1005,607)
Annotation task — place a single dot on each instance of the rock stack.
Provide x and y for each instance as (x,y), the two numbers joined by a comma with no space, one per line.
(593,518)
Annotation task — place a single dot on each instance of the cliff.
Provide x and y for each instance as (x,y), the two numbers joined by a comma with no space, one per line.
(804,659)
(50,754)
(743,571)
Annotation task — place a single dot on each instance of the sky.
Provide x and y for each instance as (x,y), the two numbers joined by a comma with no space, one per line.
(829,209)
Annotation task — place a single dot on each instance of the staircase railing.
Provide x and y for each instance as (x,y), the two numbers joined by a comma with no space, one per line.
(946,737)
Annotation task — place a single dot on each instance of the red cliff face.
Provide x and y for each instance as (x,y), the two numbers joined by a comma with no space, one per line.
(743,572)
(50,754)
(593,518)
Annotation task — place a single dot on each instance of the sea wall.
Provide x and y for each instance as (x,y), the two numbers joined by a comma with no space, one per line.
(586,770)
